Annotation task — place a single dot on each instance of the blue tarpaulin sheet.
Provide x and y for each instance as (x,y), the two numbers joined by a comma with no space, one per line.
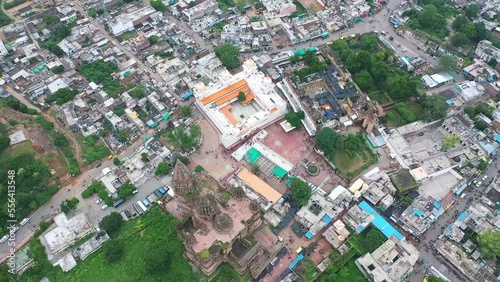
(295,261)
(309,235)
(327,219)
(380,223)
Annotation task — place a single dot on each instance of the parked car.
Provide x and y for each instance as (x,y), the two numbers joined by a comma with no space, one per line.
(127,213)
(484,177)
(4,238)
(104,207)
(138,209)
(135,192)
(24,221)
(98,201)
(479,183)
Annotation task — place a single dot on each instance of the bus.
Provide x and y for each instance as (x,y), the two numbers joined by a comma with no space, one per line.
(143,207)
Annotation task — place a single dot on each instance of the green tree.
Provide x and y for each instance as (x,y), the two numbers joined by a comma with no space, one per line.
(114,250)
(450,141)
(185,111)
(58,70)
(364,80)
(472,10)
(228,55)
(185,139)
(434,107)
(482,165)
(116,161)
(90,140)
(62,96)
(295,118)
(301,192)
(480,124)
(4,141)
(406,113)
(126,190)
(112,223)
(137,92)
(145,157)
(459,39)
(158,259)
(459,22)
(153,39)
(158,5)
(69,205)
(50,19)
(327,140)
(401,86)
(447,63)
(122,136)
(489,242)
(163,168)
(242,96)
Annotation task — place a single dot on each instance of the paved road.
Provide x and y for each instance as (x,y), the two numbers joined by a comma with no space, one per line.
(460,205)
(72,190)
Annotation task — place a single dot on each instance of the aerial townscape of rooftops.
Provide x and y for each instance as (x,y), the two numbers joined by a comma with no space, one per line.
(247,140)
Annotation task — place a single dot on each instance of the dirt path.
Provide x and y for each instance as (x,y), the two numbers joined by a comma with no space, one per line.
(59,128)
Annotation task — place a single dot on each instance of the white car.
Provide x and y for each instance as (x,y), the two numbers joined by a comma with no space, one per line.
(104,207)
(134,192)
(479,183)
(98,201)
(24,221)
(4,238)
(484,177)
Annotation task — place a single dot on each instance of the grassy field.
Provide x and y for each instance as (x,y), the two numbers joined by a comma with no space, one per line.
(138,236)
(380,96)
(347,164)
(26,147)
(394,119)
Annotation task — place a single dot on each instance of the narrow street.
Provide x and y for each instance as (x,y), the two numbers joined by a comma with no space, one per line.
(78,6)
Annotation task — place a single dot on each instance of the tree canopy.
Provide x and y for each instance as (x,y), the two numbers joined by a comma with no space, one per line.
(489,242)
(450,141)
(472,10)
(62,96)
(242,96)
(327,140)
(4,141)
(163,168)
(295,118)
(158,258)
(301,192)
(435,107)
(185,139)
(158,5)
(185,111)
(429,19)
(112,223)
(114,250)
(447,63)
(228,55)
(153,39)
(126,190)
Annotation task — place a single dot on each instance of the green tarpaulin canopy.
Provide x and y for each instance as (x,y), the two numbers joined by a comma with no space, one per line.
(253,155)
(279,172)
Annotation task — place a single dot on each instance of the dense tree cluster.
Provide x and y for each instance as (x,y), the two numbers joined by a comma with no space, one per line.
(137,92)
(185,111)
(95,153)
(467,32)
(158,5)
(489,242)
(18,106)
(62,96)
(371,71)
(313,64)
(31,177)
(100,73)
(69,205)
(228,55)
(56,36)
(329,141)
(435,107)
(185,139)
(428,19)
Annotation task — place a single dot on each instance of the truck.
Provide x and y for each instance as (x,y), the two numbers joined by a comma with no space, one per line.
(146,203)
(158,193)
(187,96)
(143,207)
